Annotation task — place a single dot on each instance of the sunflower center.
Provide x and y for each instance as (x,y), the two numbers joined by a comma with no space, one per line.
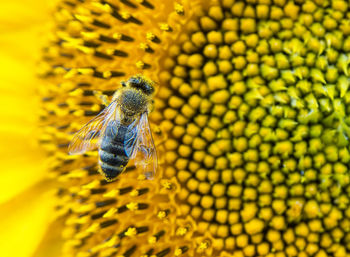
(257,108)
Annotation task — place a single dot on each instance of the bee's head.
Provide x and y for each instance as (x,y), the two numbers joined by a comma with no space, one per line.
(141,83)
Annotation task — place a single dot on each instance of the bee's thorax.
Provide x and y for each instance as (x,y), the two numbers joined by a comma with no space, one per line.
(132,101)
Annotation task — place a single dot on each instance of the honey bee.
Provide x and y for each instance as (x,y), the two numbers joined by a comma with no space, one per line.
(121,131)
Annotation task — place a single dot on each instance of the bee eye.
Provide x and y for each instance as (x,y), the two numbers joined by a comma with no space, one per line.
(123,83)
(150,89)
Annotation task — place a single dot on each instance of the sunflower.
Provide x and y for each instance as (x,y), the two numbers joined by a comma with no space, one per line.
(250,121)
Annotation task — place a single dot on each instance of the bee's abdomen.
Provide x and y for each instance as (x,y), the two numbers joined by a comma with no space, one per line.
(112,154)
(110,172)
(113,158)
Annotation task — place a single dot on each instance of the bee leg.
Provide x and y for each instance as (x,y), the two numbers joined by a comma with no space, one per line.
(103,98)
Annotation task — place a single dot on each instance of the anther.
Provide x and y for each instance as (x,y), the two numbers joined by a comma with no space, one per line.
(108,223)
(101,24)
(163,253)
(105,203)
(153,239)
(103,55)
(130,251)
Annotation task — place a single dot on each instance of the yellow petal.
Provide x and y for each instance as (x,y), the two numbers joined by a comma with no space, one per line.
(24,221)
(19,49)
(51,245)
(22,14)
(20,156)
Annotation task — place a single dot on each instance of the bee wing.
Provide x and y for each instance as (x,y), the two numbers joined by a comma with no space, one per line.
(88,137)
(140,146)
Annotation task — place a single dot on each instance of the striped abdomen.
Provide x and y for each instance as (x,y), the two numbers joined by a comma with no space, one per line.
(113,158)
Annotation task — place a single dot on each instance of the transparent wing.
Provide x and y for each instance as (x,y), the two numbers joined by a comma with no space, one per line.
(130,139)
(139,146)
(88,137)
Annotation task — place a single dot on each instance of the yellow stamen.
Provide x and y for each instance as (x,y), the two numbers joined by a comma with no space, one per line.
(150,36)
(140,64)
(179,8)
(132,206)
(110,213)
(161,214)
(164,26)
(131,232)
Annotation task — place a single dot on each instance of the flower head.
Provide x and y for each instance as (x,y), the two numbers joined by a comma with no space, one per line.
(250,122)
